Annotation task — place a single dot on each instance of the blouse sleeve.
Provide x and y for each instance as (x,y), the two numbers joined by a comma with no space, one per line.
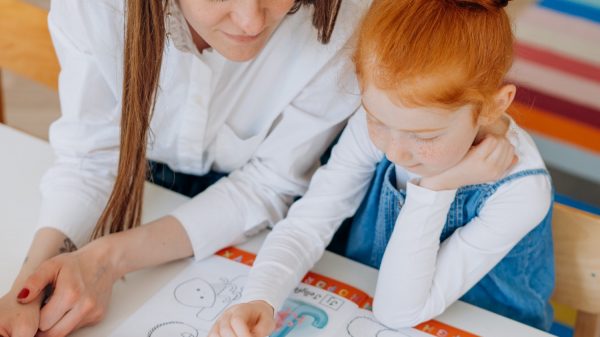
(297,242)
(85,139)
(259,193)
(419,277)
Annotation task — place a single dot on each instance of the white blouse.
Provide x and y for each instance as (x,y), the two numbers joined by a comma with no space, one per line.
(419,277)
(265,121)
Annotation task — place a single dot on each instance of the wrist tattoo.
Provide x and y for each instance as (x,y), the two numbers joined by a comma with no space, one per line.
(68,246)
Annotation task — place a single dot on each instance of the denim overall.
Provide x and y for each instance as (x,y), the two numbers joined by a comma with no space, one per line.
(518,287)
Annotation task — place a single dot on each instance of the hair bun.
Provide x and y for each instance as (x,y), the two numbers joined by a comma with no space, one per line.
(482,4)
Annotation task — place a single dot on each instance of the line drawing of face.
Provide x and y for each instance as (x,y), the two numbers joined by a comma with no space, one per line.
(195,293)
(226,293)
(173,329)
(210,298)
(369,327)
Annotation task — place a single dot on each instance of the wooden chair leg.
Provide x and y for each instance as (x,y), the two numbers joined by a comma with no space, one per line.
(1,101)
(587,325)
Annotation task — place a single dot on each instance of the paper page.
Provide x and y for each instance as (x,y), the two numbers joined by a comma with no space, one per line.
(364,324)
(313,312)
(189,304)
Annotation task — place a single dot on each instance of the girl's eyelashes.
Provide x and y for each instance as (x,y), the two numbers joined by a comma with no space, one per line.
(423,139)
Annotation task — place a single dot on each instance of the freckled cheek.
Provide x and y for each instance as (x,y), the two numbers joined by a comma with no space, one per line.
(378,138)
(438,156)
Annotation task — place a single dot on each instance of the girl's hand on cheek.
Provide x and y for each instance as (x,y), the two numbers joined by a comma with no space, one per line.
(485,162)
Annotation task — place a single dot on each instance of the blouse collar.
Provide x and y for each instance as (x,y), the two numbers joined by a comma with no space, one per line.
(178,31)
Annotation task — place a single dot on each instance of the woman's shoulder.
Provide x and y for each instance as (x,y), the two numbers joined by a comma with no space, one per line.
(97,24)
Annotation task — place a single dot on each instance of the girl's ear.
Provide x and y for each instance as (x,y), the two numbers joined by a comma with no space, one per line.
(500,103)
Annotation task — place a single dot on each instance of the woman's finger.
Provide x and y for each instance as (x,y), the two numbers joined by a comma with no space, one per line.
(62,301)
(35,284)
(67,324)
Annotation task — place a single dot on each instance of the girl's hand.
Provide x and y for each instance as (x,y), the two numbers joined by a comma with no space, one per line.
(485,162)
(253,319)
(82,282)
(17,320)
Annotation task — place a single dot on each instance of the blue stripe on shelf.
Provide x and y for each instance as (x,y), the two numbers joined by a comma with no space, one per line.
(565,200)
(573,8)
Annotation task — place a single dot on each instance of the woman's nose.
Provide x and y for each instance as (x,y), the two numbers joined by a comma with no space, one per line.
(249,16)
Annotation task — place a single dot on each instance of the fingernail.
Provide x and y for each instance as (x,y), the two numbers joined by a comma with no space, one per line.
(23,294)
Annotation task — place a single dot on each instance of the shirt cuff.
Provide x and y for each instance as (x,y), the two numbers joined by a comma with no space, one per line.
(250,297)
(429,197)
(210,223)
(71,214)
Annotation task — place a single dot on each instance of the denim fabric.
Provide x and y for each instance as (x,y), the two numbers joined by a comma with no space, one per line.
(518,287)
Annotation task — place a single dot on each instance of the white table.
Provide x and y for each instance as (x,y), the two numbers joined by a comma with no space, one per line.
(23,161)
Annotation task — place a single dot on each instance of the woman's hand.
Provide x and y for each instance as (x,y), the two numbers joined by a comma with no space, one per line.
(17,320)
(82,283)
(253,319)
(485,162)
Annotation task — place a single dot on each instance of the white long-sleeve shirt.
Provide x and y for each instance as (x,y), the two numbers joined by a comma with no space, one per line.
(266,121)
(419,277)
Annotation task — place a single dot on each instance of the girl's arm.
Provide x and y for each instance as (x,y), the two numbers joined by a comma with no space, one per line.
(419,278)
(334,194)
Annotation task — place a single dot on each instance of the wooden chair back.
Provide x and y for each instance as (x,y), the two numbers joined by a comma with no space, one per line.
(577,258)
(25,45)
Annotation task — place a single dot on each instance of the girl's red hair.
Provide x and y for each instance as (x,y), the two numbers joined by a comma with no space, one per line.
(444,53)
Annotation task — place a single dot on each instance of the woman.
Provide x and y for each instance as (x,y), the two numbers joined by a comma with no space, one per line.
(246,91)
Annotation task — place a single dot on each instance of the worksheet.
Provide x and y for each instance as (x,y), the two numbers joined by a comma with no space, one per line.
(190,304)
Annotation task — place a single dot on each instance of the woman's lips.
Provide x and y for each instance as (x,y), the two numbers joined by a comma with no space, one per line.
(242,38)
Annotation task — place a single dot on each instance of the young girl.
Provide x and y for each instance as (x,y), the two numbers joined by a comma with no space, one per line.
(447,211)
(232,102)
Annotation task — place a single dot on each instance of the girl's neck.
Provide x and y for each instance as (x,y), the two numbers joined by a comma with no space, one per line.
(497,128)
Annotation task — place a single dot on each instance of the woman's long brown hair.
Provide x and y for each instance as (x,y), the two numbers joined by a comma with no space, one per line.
(144,45)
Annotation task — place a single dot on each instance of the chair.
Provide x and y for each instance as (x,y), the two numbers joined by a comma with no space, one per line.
(577,257)
(25,45)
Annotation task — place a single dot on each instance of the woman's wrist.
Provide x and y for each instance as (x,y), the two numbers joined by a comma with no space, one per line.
(109,254)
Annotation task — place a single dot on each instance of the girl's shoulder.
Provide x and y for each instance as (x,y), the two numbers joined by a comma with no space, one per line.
(530,157)
(526,189)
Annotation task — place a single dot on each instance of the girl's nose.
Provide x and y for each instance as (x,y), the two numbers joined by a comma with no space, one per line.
(399,151)
(249,16)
